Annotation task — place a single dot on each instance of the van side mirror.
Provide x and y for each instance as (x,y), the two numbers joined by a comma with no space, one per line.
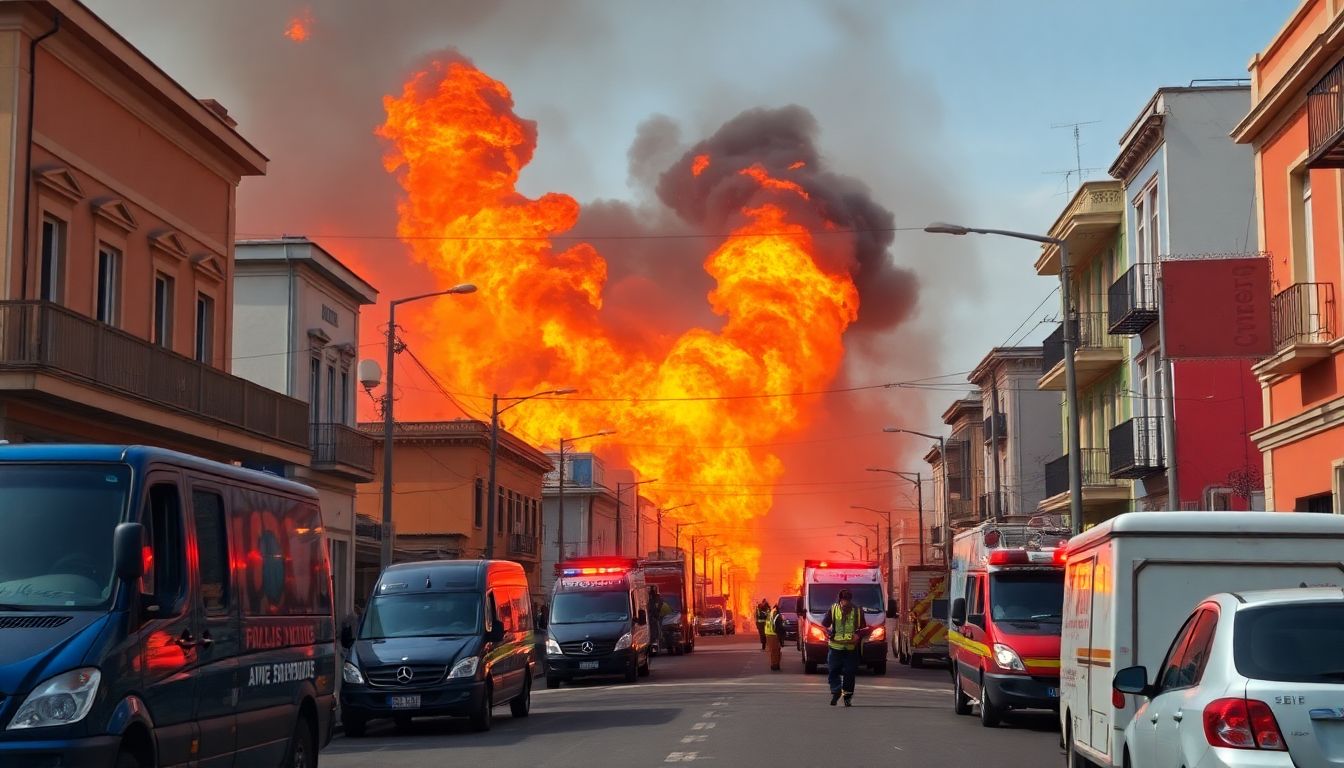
(127,551)
(959,611)
(347,636)
(642,617)
(1133,680)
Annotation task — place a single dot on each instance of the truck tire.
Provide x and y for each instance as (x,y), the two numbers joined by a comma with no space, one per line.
(961,703)
(484,716)
(809,667)
(990,715)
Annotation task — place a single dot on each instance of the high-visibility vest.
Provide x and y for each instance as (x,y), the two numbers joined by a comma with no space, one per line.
(844,628)
(770,624)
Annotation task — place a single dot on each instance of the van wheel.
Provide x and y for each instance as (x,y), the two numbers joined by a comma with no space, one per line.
(809,667)
(302,746)
(1074,760)
(484,716)
(644,669)
(990,715)
(354,726)
(632,672)
(552,682)
(961,703)
(521,706)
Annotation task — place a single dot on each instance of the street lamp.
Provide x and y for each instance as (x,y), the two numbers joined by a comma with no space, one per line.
(490,499)
(947,492)
(1070,343)
(694,539)
(862,541)
(560,524)
(919,498)
(849,554)
(661,510)
(620,488)
(891,556)
(676,537)
(389,423)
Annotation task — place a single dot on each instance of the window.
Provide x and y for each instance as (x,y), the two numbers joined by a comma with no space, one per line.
(53,259)
(1308,240)
(1291,643)
(1140,232)
(109,285)
(331,394)
(1170,670)
(504,606)
(340,571)
(205,328)
(163,579)
(345,397)
(1153,230)
(499,510)
(975,599)
(163,310)
(212,550)
(315,389)
(1187,667)
(478,505)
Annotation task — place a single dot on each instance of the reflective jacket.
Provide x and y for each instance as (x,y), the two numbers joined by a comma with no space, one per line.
(845,627)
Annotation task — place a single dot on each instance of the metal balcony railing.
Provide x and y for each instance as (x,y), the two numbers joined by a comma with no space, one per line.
(334,444)
(1052,349)
(1304,313)
(1132,300)
(1137,448)
(1096,470)
(1091,332)
(962,511)
(986,504)
(1325,120)
(1001,426)
(41,336)
(523,544)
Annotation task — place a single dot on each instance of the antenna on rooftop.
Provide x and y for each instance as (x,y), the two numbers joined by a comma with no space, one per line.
(1077,152)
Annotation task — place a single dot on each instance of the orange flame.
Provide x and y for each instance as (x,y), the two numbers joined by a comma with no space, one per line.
(299,28)
(699,165)
(797,165)
(687,408)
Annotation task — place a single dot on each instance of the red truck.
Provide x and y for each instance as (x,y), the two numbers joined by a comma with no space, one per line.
(669,576)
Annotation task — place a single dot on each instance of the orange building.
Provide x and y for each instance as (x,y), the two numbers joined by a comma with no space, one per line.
(1296,129)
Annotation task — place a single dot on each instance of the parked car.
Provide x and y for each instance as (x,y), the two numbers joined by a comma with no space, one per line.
(711,622)
(788,611)
(1252,678)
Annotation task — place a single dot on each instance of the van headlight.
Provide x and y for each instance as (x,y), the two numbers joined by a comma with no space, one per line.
(465,668)
(624,642)
(61,700)
(351,674)
(553,648)
(1007,658)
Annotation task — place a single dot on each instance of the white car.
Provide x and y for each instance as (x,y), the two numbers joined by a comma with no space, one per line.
(1253,679)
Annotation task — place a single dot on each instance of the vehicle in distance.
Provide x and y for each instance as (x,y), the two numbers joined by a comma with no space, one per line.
(711,622)
(788,611)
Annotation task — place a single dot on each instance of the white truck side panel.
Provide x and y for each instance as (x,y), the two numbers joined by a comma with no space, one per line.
(1126,597)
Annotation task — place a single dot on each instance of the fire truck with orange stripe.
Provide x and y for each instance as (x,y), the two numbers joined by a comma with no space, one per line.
(1007,587)
(921,624)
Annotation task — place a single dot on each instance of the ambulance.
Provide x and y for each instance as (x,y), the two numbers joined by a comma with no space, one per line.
(599,623)
(822,582)
(1007,587)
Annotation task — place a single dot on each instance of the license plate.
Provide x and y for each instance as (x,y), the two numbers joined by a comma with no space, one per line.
(406,702)
(1052,693)
(587,665)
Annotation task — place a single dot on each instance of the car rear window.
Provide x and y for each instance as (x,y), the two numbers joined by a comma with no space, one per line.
(788,605)
(1298,643)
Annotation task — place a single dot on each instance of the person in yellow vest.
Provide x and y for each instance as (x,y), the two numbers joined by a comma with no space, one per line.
(774,629)
(845,630)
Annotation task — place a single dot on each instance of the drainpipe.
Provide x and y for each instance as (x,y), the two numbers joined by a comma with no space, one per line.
(28,151)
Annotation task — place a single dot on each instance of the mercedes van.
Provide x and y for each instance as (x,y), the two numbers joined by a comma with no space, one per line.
(440,637)
(599,624)
(157,609)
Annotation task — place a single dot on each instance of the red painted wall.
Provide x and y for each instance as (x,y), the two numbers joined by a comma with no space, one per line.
(1217,407)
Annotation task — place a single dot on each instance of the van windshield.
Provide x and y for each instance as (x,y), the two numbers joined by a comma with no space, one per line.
(1032,597)
(432,614)
(585,607)
(56,524)
(820,597)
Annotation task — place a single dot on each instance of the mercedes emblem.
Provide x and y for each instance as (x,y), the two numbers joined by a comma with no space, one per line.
(404,675)
(587,646)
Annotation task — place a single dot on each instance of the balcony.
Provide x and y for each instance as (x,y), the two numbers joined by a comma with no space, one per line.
(1100,490)
(1098,353)
(1137,448)
(1303,317)
(1325,120)
(49,353)
(1132,300)
(523,544)
(999,423)
(342,450)
(986,505)
(962,512)
(1089,222)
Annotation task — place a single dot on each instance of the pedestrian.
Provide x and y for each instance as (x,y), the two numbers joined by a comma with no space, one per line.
(845,627)
(762,612)
(774,630)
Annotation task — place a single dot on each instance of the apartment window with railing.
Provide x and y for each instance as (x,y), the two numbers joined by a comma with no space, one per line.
(163,310)
(53,259)
(205,329)
(108,303)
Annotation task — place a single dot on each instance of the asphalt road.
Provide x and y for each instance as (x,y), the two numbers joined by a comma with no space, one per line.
(721,704)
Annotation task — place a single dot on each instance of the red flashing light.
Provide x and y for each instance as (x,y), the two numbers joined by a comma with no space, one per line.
(824,564)
(1061,557)
(1009,557)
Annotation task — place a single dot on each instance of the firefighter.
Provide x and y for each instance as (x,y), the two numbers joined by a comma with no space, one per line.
(845,628)
(774,630)
(762,613)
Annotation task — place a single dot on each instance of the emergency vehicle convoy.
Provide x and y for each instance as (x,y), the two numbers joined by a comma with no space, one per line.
(1007,588)
(822,582)
(921,607)
(599,623)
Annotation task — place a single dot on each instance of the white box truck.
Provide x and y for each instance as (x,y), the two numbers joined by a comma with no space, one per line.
(1132,580)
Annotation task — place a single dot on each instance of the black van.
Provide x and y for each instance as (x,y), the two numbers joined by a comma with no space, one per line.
(441,637)
(598,624)
(160,609)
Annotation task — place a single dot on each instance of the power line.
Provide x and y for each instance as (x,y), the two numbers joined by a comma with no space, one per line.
(584,238)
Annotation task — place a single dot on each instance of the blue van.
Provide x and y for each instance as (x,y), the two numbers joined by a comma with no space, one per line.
(160,609)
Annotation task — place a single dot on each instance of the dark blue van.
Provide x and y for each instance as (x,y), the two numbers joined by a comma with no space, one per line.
(160,609)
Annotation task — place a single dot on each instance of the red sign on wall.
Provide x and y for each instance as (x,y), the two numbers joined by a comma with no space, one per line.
(1217,308)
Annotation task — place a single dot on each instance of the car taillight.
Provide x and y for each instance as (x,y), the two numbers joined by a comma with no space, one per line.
(1242,724)
(815,632)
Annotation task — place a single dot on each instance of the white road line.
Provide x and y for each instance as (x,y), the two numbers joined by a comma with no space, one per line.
(682,757)
(693,739)
(703,726)
(780,685)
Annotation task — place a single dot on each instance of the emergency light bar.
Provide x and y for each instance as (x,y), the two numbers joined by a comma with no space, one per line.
(592,566)
(591,571)
(840,564)
(1026,557)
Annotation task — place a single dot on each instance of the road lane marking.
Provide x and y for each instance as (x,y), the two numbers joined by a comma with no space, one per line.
(693,738)
(703,726)
(682,757)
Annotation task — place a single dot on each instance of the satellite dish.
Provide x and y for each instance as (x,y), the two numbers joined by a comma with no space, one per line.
(370,375)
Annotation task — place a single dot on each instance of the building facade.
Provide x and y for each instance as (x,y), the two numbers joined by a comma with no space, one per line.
(1021,432)
(1295,128)
(441,471)
(296,331)
(117,251)
(589,508)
